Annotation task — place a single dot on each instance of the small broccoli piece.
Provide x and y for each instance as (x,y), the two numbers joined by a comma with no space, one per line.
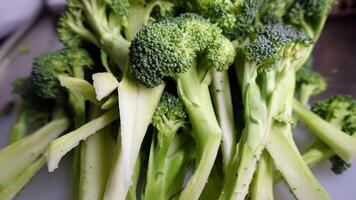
(47,67)
(273,11)
(19,156)
(233,17)
(326,122)
(108,24)
(186,49)
(167,119)
(309,15)
(309,83)
(340,111)
(33,111)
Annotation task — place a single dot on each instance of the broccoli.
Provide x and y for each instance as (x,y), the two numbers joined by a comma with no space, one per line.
(265,64)
(47,67)
(110,25)
(308,83)
(186,49)
(340,111)
(168,118)
(21,156)
(233,17)
(340,142)
(262,184)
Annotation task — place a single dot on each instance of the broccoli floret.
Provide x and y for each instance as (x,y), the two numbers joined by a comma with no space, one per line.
(341,112)
(48,66)
(273,11)
(233,17)
(309,83)
(33,111)
(167,119)
(164,50)
(108,24)
(169,115)
(186,49)
(309,15)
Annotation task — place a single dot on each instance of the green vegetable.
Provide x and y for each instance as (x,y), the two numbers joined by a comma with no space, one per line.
(343,144)
(167,119)
(178,59)
(340,111)
(309,83)
(59,147)
(15,158)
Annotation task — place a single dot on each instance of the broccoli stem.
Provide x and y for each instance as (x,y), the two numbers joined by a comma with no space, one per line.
(306,91)
(59,147)
(343,144)
(157,165)
(15,158)
(254,135)
(177,167)
(222,99)
(262,184)
(18,129)
(134,100)
(132,193)
(195,96)
(95,161)
(79,86)
(318,153)
(9,192)
(139,16)
(290,163)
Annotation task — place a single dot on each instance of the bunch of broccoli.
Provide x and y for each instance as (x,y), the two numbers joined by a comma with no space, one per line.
(171,99)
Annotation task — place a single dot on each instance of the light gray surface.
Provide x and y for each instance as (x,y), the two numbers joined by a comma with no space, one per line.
(57,185)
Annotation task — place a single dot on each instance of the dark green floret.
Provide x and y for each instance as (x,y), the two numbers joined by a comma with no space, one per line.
(171,47)
(48,66)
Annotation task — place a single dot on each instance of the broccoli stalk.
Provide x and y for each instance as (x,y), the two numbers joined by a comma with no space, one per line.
(19,127)
(221,95)
(262,184)
(15,158)
(168,118)
(60,146)
(10,191)
(189,48)
(95,161)
(309,83)
(343,144)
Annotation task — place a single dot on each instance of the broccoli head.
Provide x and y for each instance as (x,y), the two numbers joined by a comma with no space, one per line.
(233,17)
(169,115)
(309,83)
(309,15)
(48,66)
(171,47)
